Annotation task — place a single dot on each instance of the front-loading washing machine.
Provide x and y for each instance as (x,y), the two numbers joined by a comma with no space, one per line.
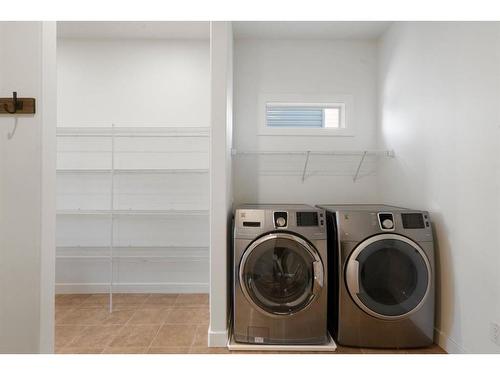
(382,276)
(280,275)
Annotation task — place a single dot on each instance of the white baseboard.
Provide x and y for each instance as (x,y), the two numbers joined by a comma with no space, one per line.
(217,339)
(448,344)
(67,288)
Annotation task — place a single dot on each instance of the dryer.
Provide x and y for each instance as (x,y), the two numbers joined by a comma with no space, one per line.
(280,275)
(382,276)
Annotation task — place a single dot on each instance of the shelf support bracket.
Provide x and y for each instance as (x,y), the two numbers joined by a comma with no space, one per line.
(356,175)
(305,165)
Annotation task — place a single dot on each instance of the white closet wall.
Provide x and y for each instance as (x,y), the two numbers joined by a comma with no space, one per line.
(155,95)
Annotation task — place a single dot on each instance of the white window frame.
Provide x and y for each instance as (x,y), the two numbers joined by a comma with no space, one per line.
(344,102)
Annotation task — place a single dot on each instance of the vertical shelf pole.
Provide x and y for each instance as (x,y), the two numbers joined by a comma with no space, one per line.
(112,230)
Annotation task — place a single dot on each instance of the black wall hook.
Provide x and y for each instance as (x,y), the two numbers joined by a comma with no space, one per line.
(15,104)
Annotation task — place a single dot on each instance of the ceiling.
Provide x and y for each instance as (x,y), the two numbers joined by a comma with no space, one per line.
(352,30)
(310,29)
(134,29)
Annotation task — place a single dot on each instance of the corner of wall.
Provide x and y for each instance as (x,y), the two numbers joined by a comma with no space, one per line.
(448,344)
(48,186)
(217,339)
(221,43)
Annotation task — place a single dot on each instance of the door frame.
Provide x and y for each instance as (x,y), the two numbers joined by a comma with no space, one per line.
(48,113)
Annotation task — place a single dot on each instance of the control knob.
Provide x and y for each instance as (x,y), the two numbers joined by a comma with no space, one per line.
(387,224)
(280,222)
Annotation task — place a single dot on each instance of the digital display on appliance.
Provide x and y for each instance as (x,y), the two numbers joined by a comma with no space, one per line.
(307,219)
(413,221)
(251,224)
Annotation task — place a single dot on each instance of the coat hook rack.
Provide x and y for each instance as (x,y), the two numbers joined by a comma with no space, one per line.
(17,106)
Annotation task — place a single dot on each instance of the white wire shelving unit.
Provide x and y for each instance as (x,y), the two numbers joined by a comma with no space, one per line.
(308,154)
(113,132)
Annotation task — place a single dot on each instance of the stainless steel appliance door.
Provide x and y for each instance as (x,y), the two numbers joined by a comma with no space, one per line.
(388,276)
(281,274)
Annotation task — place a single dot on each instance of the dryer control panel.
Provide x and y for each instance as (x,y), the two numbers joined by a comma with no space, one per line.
(356,223)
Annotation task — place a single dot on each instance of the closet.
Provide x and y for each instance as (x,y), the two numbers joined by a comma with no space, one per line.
(133,139)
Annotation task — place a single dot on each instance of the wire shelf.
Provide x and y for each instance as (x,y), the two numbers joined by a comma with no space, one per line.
(134,171)
(307,154)
(133,132)
(135,212)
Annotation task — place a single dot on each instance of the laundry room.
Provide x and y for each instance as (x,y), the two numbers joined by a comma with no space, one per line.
(408,137)
(227,187)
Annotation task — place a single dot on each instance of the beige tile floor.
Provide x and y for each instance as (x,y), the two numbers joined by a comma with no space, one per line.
(146,323)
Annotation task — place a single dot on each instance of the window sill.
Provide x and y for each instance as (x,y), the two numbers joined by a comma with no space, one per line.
(306,132)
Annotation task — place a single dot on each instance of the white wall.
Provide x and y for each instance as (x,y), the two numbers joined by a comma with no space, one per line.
(221,191)
(311,70)
(134,83)
(439,108)
(27,55)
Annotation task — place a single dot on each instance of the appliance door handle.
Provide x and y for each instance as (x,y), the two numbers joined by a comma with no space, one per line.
(353,276)
(318,277)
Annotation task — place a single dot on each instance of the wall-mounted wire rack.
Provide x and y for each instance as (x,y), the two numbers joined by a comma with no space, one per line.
(308,154)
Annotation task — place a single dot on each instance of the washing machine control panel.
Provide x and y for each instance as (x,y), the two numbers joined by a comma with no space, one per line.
(253,220)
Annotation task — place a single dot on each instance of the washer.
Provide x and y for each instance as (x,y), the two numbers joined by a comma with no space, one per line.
(382,276)
(280,275)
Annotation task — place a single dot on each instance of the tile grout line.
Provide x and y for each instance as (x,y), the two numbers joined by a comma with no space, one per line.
(86,326)
(194,338)
(153,339)
(74,338)
(76,307)
(108,346)
(161,326)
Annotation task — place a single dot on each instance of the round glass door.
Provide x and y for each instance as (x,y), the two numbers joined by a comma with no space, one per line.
(279,273)
(388,276)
